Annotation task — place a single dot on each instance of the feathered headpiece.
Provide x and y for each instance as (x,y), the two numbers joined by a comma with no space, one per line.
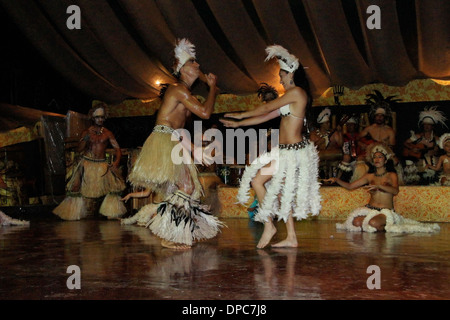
(432,116)
(287,61)
(352,120)
(378,147)
(443,139)
(324,116)
(96,110)
(184,50)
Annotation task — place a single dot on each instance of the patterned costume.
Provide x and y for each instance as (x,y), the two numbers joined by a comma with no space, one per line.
(180,218)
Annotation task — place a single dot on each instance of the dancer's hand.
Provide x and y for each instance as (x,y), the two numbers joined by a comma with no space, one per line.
(234,115)
(229,123)
(371,188)
(211,80)
(207,160)
(126,198)
(330,180)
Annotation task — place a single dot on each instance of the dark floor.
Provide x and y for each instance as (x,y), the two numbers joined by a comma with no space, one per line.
(127,262)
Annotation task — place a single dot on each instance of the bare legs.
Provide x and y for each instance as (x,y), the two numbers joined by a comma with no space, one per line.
(291,238)
(269,228)
(378,222)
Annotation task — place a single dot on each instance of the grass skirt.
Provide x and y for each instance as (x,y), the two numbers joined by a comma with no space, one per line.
(96,178)
(112,207)
(395,223)
(74,207)
(71,208)
(293,188)
(179,219)
(155,170)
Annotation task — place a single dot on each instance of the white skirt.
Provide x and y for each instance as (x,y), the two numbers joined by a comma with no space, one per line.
(179,218)
(294,186)
(394,222)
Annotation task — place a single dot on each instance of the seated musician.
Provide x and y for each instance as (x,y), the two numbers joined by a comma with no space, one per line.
(329,144)
(421,147)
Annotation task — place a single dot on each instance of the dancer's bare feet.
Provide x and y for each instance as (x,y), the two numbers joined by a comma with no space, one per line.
(173,245)
(268,233)
(286,243)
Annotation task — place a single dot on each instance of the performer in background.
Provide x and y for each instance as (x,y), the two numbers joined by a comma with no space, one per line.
(444,160)
(326,140)
(382,183)
(6,220)
(421,148)
(94,178)
(329,144)
(285,179)
(180,219)
(350,150)
(379,131)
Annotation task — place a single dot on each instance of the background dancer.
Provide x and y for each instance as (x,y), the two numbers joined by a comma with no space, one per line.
(444,160)
(94,178)
(382,183)
(6,220)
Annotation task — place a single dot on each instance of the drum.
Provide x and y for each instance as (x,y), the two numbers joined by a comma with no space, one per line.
(236,172)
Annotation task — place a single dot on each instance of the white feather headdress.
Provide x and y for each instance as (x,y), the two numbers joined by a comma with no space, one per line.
(324,116)
(287,61)
(443,139)
(378,147)
(432,116)
(184,50)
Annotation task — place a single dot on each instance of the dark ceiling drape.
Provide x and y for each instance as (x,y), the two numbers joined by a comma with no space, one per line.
(125,46)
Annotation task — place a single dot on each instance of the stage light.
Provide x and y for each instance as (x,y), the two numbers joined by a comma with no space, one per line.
(442,82)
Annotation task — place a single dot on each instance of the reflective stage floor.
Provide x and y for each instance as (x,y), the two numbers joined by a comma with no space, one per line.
(127,262)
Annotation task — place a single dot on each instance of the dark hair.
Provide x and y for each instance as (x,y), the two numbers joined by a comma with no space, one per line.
(163,90)
(390,167)
(267,93)
(301,80)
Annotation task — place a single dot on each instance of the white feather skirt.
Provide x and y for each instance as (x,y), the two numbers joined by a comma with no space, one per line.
(181,219)
(395,223)
(293,188)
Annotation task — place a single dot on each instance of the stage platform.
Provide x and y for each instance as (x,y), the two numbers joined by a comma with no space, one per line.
(421,203)
(119,262)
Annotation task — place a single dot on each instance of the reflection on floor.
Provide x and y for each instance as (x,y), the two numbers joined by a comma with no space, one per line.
(127,262)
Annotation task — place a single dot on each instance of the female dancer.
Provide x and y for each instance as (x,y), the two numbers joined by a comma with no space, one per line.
(285,179)
(382,183)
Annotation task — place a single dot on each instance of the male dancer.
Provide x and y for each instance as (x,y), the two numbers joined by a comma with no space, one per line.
(180,219)
(94,178)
